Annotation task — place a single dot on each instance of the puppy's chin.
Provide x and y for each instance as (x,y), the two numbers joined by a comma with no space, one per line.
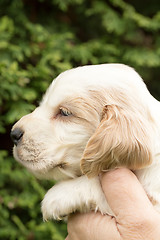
(54,174)
(27,159)
(45,167)
(37,166)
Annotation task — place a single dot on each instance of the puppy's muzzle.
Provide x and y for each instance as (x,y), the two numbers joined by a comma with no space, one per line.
(16,135)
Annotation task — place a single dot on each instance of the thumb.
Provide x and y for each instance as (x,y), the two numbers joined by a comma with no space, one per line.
(125,195)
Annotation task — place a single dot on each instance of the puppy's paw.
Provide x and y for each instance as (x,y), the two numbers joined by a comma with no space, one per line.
(53,210)
(56,205)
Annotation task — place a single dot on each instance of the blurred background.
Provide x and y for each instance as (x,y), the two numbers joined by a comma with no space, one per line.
(38,40)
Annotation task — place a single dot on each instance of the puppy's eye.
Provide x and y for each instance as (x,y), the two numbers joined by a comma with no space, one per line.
(65,112)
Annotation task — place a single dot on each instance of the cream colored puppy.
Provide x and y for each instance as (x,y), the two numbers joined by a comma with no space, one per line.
(92,119)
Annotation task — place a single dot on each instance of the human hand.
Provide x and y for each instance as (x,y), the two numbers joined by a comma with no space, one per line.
(135,217)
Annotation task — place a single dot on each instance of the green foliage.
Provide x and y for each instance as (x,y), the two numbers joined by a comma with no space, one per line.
(40,39)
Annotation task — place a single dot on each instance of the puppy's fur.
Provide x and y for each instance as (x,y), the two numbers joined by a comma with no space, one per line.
(92,119)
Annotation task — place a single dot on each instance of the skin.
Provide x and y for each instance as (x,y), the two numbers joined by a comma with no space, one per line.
(135,217)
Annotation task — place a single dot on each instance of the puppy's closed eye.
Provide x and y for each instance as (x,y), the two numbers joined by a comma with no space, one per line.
(64,112)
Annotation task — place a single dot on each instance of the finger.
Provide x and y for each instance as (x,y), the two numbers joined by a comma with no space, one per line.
(92,226)
(125,195)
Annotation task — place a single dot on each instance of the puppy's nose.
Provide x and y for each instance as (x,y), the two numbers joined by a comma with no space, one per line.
(16,135)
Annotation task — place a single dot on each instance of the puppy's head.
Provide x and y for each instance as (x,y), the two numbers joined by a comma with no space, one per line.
(94,115)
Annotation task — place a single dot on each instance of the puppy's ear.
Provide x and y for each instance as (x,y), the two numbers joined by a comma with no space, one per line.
(121,140)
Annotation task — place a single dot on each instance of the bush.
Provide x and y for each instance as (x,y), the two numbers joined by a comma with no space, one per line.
(40,39)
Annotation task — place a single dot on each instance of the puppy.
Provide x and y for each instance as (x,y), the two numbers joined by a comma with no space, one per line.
(91,119)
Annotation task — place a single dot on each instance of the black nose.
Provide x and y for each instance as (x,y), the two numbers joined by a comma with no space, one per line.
(16,135)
